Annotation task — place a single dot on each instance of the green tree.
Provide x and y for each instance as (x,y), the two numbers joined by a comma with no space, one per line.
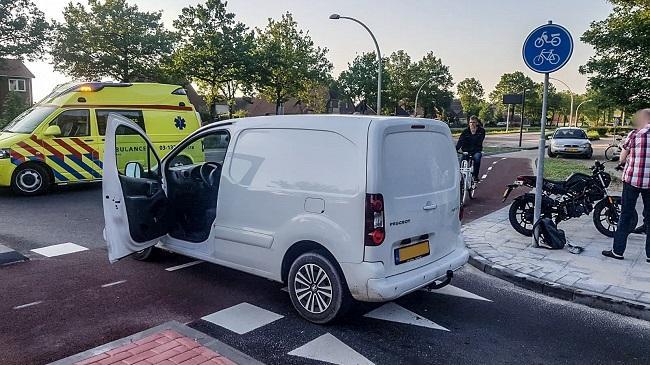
(288,60)
(23,29)
(111,39)
(619,67)
(436,94)
(359,80)
(216,52)
(515,83)
(403,83)
(470,92)
(13,105)
(487,113)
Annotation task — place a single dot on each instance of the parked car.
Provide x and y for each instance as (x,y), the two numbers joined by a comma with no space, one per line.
(502,124)
(336,207)
(61,139)
(570,141)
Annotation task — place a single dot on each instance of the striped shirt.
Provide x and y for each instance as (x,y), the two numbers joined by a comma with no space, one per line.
(637,166)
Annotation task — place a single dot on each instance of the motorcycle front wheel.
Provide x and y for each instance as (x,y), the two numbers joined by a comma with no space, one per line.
(606,216)
(521,216)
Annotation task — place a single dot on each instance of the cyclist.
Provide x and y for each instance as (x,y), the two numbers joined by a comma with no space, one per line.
(471,141)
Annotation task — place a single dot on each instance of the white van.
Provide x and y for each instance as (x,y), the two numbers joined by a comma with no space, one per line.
(337,207)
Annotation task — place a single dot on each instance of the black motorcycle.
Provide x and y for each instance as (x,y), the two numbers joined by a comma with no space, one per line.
(571,198)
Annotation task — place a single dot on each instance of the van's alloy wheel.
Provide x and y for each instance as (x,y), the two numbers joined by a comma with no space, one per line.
(317,288)
(30,179)
(313,288)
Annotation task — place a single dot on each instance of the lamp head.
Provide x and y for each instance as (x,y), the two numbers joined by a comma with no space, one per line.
(335,16)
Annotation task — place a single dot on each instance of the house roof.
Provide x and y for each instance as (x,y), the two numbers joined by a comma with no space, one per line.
(14,68)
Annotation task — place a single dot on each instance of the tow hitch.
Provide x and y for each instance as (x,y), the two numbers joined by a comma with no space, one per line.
(449,276)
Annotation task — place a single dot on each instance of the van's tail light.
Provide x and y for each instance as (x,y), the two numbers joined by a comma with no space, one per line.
(374,233)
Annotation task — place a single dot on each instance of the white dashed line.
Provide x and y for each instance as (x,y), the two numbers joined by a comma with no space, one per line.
(191,263)
(490,168)
(114,283)
(60,249)
(484,176)
(396,313)
(28,305)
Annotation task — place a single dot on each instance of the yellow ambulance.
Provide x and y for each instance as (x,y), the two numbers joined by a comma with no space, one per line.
(60,140)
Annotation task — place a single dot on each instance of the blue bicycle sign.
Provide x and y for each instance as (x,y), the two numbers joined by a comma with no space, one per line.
(548,48)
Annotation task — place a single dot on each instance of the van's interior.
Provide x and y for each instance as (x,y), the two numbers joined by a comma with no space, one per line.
(192,179)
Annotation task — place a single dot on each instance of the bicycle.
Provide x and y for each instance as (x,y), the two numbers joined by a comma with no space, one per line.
(545,55)
(613,151)
(467,183)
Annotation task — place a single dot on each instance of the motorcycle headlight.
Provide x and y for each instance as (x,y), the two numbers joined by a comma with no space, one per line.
(4,153)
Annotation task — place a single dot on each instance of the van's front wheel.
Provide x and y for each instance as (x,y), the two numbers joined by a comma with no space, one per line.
(30,179)
(317,288)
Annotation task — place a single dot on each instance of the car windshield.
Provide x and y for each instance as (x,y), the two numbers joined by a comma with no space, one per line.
(570,134)
(29,119)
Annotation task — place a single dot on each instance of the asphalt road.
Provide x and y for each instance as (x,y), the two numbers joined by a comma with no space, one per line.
(58,306)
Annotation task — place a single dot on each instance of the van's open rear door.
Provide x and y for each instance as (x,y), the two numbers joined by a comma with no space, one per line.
(135,203)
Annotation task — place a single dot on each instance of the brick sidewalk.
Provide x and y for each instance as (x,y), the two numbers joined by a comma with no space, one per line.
(168,344)
(587,278)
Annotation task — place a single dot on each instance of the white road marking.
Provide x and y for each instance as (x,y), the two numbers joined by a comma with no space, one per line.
(114,283)
(330,349)
(242,318)
(490,168)
(178,267)
(28,305)
(495,162)
(504,158)
(60,249)
(484,176)
(396,313)
(456,292)
(285,289)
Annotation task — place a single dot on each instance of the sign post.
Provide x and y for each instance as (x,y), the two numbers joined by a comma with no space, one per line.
(546,50)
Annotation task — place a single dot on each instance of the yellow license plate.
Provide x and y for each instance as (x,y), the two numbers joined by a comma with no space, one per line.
(572,150)
(411,252)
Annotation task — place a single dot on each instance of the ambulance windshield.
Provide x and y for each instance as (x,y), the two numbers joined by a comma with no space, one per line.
(29,119)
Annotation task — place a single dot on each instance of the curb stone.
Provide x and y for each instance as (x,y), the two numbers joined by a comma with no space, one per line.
(580,296)
(10,256)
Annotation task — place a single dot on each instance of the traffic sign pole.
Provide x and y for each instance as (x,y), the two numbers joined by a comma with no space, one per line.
(547,49)
(540,155)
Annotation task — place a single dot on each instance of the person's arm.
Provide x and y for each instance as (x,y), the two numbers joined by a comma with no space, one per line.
(481,137)
(625,151)
(461,140)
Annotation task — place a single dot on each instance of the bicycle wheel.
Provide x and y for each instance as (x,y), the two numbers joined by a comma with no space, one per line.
(610,153)
(472,191)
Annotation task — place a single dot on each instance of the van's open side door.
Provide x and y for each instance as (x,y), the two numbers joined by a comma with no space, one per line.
(135,203)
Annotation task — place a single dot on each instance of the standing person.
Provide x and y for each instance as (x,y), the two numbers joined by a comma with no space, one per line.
(471,141)
(636,181)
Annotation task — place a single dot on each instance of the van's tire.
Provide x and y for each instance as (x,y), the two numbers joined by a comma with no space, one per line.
(308,281)
(30,179)
(148,254)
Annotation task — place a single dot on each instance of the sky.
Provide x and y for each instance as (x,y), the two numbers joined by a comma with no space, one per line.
(475,38)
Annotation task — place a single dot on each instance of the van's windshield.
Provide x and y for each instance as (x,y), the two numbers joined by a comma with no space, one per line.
(29,119)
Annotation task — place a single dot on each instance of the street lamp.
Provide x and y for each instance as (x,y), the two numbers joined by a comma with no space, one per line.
(571,93)
(578,109)
(415,112)
(336,17)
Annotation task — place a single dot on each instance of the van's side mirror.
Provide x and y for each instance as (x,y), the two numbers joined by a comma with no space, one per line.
(134,169)
(53,131)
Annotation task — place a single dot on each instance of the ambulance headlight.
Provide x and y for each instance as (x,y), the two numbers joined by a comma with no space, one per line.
(4,153)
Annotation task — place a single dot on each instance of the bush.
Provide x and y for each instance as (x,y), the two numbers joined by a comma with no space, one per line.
(593,135)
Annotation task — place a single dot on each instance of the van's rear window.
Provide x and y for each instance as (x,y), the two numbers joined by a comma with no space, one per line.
(417,163)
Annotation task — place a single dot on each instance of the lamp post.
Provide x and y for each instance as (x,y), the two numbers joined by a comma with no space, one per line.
(578,109)
(570,93)
(415,111)
(336,17)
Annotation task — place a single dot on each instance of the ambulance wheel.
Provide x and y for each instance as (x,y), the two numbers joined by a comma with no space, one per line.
(30,179)
(147,254)
(317,288)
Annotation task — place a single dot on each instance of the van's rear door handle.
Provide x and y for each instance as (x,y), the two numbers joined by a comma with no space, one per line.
(89,140)
(430,206)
